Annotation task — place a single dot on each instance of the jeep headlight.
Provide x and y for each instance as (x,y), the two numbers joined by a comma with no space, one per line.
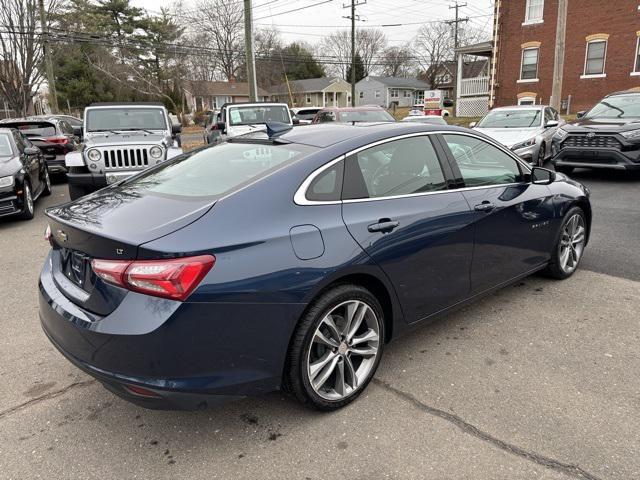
(560,134)
(155,152)
(631,134)
(94,155)
(7,181)
(526,143)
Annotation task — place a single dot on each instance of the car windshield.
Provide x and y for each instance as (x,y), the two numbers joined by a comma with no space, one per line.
(258,114)
(5,145)
(365,116)
(428,120)
(114,119)
(306,114)
(34,129)
(622,106)
(512,119)
(216,171)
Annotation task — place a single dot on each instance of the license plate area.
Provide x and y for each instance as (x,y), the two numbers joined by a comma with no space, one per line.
(75,266)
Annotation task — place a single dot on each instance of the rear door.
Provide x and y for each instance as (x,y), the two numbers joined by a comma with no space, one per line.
(513,217)
(397,205)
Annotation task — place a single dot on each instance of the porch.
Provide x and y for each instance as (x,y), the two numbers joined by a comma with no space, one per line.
(472,94)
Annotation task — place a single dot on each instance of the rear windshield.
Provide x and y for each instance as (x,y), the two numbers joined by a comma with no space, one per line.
(365,116)
(34,129)
(116,119)
(252,115)
(5,145)
(218,170)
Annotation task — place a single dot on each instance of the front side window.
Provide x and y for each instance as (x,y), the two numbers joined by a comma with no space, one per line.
(596,54)
(534,11)
(482,164)
(529,69)
(399,167)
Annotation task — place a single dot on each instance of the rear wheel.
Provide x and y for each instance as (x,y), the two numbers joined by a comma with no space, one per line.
(569,248)
(76,192)
(336,348)
(27,202)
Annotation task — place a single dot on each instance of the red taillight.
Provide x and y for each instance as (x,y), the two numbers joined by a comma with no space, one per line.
(58,140)
(47,234)
(143,392)
(175,278)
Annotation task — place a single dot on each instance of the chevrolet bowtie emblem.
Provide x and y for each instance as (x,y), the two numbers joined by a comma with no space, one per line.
(61,236)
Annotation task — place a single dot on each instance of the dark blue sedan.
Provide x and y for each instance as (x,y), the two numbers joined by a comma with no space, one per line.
(289,261)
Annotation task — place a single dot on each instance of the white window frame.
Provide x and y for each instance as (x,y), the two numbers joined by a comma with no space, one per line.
(604,60)
(361,94)
(636,63)
(376,93)
(394,93)
(529,80)
(532,21)
(527,99)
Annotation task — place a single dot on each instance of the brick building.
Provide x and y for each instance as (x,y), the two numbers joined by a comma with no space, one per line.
(601,51)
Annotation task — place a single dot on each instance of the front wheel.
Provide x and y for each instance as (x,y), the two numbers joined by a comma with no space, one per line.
(569,248)
(27,202)
(336,348)
(46,191)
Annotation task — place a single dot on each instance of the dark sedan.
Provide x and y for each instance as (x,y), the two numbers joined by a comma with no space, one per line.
(53,136)
(291,260)
(23,175)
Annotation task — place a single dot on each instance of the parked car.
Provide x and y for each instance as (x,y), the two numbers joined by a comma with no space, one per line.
(607,136)
(428,119)
(305,114)
(24,176)
(237,119)
(353,114)
(211,133)
(417,110)
(525,129)
(75,122)
(120,140)
(53,136)
(291,261)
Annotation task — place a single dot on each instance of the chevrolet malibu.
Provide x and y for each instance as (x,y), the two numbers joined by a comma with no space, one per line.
(289,259)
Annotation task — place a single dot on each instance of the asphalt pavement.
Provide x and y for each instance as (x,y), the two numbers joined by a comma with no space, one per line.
(538,381)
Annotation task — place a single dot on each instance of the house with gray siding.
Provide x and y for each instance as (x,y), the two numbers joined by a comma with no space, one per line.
(387,91)
(313,92)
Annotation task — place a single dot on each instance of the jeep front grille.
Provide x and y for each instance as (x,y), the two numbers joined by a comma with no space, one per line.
(597,141)
(123,158)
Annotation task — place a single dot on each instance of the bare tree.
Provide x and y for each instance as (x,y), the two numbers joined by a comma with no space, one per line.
(269,63)
(370,43)
(335,50)
(397,62)
(20,52)
(433,46)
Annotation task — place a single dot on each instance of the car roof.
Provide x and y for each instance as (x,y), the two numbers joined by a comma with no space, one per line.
(352,109)
(126,104)
(521,107)
(631,91)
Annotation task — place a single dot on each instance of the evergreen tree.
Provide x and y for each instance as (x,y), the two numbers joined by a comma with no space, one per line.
(360,71)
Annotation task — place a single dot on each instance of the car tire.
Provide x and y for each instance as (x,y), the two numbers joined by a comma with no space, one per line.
(569,247)
(46,191)
(541,154)
(76,192)
(28,209)
(329,364)
(565,170)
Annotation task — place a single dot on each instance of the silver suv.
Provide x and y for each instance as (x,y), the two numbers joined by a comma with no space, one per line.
(120,140)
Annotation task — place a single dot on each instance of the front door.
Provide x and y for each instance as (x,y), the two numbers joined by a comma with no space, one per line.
(397,206)
(513,217)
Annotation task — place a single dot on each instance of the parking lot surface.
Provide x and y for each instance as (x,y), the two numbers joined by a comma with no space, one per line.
(538,381)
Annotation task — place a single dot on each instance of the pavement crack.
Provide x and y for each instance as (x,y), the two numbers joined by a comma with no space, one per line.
(46,396)
(565,468)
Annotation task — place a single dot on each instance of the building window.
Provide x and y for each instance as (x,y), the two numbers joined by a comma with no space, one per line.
(529,68)
(394,93)
(595,57)
(534,11)
(308,99)
(407,94)
(526,101)
(637,62)
(361,94)
(376,93)
(443,78)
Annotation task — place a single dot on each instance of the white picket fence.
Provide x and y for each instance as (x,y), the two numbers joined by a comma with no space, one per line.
(474,86)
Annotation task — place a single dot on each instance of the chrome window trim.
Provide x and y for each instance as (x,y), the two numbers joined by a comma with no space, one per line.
(300,197)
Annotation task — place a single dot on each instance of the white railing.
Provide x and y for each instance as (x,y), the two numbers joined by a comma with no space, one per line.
(474,86)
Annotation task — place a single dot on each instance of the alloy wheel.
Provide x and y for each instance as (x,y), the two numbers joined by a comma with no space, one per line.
(343,350)
(28,198)
(572,242)
(541,154)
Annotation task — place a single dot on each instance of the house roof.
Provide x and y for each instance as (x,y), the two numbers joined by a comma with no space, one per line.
(399,82)
(203,87)
(303,86)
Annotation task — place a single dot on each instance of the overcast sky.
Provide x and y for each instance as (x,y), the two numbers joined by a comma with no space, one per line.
(310,24)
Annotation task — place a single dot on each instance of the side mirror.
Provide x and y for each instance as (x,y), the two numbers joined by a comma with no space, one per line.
(581,114)
(542,176)
(552,123)
(295,120)
(447,103)
(31,150)
(176,128)
(220,126)
(472,125)
(77,131)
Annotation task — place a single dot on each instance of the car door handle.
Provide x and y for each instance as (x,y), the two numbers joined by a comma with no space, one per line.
(484,207)
(384,225)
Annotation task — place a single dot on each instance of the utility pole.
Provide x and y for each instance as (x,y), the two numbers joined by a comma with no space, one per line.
(456,24)
(248,48)
(353,17)
(558,58)
(46,47)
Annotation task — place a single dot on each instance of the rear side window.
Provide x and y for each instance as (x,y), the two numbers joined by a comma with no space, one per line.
(216,171)
(482,164)
(328,185)
(400,167)
(5,145)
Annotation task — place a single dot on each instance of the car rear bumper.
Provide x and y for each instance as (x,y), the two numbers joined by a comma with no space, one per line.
(607,158)
(56,164)
(191,355)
